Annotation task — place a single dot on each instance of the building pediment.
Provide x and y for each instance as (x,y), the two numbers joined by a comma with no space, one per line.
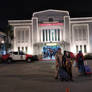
(51,12)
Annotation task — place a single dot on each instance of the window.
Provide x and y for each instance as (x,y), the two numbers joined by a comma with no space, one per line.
(43,36)
(18,35)
(49,35)
(50,19)
(46,36)
(22,36)
(18,49)
(84,35)
(80,32)
(15,53)
(26,35)
(55,35)
(58,34)
(77,49)
(26,48)
(18,41)
(81,47)
(85,49)
(52,36)
(22,48)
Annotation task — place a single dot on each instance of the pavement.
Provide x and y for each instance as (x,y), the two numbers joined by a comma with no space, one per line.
(39,77)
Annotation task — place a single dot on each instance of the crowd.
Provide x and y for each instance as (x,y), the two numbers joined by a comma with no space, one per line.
(49,52)
(64,65)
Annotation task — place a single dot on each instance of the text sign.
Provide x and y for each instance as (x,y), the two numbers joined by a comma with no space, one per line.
(52,24)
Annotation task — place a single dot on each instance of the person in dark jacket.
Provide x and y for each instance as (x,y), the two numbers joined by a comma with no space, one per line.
(64,60)
(80,62)
(69,65)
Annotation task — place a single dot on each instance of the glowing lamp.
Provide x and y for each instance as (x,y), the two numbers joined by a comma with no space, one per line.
(51,44)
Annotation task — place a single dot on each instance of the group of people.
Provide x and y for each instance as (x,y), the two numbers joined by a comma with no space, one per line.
(49,53)
(65,61)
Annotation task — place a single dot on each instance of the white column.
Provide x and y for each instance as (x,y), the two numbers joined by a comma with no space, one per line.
(15,40)
(29,37)
(41,35)
(51,35)
(45,35)
(48,34)
(60,35)
(83,48)
(54,34)
(57,34)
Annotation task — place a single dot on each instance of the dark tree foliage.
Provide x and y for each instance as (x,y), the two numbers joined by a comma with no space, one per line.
(9,36)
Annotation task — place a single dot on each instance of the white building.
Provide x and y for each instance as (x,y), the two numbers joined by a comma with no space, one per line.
(52,27)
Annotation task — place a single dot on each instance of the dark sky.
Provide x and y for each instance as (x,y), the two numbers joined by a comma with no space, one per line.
(23,9)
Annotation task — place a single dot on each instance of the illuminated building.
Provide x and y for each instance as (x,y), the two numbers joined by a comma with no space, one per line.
(52,27)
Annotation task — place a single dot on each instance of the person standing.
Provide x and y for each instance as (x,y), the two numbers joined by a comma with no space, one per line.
(69,65)
(51,53)
(64,60)
(58,58)
(80,62)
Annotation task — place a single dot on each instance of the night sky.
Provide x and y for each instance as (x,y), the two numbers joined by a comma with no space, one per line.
(23,9)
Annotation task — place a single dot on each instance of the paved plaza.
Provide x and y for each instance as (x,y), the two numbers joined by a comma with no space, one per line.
(38,77)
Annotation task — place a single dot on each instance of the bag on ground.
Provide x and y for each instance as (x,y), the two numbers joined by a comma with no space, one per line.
(87,69)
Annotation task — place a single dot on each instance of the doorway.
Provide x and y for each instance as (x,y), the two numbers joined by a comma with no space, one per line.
(49,52)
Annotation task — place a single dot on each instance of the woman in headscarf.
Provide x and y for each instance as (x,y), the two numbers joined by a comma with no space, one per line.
(58,58)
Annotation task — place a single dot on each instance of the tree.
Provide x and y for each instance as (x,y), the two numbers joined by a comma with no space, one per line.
(9,36)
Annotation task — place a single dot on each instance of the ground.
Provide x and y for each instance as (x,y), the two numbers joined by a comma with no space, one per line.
(39,77)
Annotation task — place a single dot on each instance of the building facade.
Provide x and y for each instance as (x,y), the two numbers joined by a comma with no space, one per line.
(52,28)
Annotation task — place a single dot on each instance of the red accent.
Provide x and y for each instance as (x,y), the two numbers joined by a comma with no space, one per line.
(52,24)
(72,55)
(88,72)
(28,56)
(78,55)
(5,57)
(67,89)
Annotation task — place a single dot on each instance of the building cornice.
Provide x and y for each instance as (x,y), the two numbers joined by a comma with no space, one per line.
(85,21)
(81,18)
(20,22)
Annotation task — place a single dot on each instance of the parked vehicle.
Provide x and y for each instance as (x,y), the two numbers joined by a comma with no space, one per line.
(17,56)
